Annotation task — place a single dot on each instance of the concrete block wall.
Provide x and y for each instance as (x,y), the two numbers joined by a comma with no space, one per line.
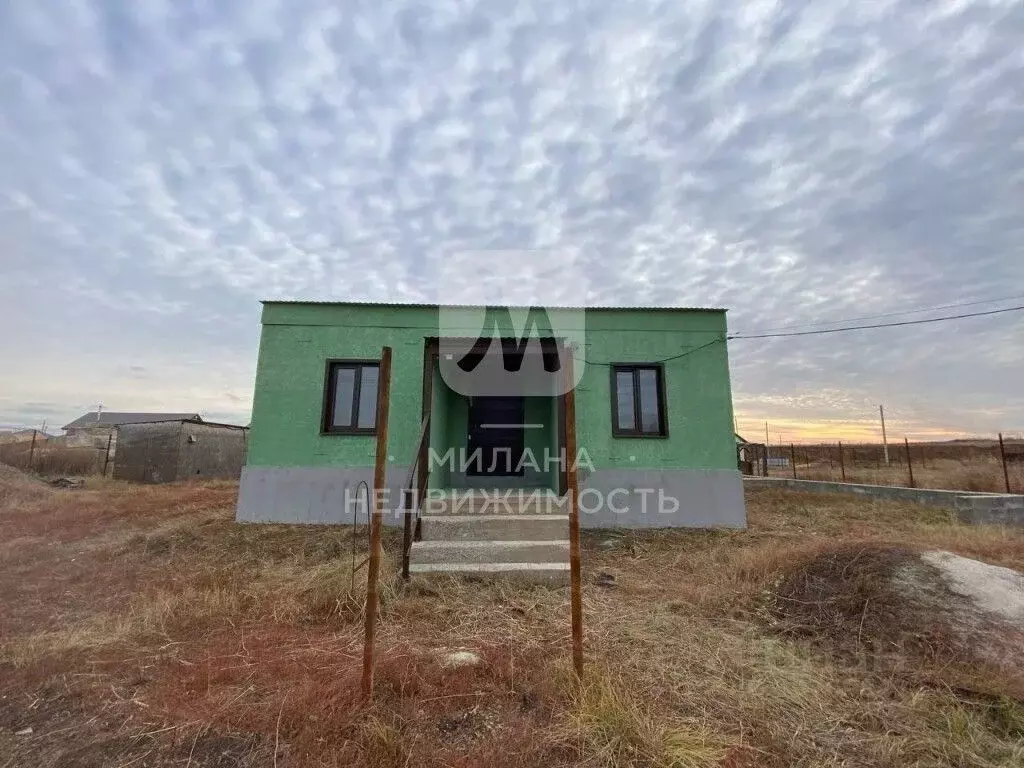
(166,451)
(969,506)
(994,509)
(208,451)
(148,453)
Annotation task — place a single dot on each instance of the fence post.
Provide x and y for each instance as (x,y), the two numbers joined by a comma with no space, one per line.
(573,488)
(764,461)
(792,459)
(1002,455)
(32,450)
(842,464)
(910,466)
(106,460)
(376,513)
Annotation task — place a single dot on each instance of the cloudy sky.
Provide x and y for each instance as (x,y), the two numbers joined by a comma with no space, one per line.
(166,164)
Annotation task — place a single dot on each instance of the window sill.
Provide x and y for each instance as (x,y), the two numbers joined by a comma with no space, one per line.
(639,436)
(341,432)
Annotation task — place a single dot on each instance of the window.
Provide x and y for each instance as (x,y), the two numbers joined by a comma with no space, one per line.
(638,401)
(350,397)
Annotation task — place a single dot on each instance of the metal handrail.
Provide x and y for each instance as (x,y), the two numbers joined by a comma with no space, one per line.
(355,514)
(413,492)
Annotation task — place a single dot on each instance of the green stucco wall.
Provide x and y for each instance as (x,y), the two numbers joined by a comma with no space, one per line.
(441,414)
(298,339)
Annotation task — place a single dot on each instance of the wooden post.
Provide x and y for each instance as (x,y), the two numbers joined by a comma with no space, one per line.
(572,481)
(32,451)
(106,460)
(379,479)
(885,440)
(1002,455)
(764,460)
(842,463)
(792,459)
(910,467)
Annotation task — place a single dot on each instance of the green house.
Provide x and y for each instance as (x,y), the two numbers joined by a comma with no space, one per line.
(485,385)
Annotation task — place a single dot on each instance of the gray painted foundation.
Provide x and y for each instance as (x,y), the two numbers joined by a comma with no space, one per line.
(970,506)
(629,498)
(314,495)
(611,498)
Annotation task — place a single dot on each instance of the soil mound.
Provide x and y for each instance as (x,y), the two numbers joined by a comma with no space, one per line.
(932,616)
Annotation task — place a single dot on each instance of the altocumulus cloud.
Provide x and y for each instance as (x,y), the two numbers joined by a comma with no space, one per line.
(165,164)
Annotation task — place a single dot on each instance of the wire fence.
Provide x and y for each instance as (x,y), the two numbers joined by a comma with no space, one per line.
(994,466)
(35,451)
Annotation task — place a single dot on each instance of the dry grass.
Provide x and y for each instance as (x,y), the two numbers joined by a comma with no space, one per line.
(978,473)
(142,624)
(53,459)
(17,488)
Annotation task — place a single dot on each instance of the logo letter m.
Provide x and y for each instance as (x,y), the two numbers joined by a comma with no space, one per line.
(499,320)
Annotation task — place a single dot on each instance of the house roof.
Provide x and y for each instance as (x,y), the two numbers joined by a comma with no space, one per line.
(114,418)
(417,305)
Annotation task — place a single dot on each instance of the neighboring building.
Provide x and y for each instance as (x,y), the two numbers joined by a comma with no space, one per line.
(653,412)
(750,456)
(94,429)
(185,449)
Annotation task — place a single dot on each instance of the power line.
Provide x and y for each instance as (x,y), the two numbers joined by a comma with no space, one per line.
(878,325)
(738,337)
(891,314)
(718,340)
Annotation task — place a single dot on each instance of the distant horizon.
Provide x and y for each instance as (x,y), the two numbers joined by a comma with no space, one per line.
(164,167)
(752,435)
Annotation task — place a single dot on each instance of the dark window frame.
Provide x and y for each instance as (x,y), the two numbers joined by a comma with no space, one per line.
(637,431)
(330,380)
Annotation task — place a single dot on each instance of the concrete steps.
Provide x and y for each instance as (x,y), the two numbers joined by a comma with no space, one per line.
(494,503)
(553,574)
(491,551)
(494,535)
(495,528)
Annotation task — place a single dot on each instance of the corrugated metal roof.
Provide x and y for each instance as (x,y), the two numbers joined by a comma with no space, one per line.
(113,418)
(418,305)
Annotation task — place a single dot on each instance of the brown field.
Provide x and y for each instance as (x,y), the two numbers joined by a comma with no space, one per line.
(946,466)
(52,457)
(141,626)
(948,474)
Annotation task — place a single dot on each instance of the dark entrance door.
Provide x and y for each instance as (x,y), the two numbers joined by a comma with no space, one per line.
(496,423)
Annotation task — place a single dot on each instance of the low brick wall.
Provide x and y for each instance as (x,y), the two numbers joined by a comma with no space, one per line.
(970,506)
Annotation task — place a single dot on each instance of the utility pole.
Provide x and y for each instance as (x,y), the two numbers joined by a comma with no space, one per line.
(885,441)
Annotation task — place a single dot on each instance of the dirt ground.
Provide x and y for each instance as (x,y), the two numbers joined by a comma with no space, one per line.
(141,626)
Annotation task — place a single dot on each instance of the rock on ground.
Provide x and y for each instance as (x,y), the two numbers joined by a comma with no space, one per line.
(460,659)
(996,590)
